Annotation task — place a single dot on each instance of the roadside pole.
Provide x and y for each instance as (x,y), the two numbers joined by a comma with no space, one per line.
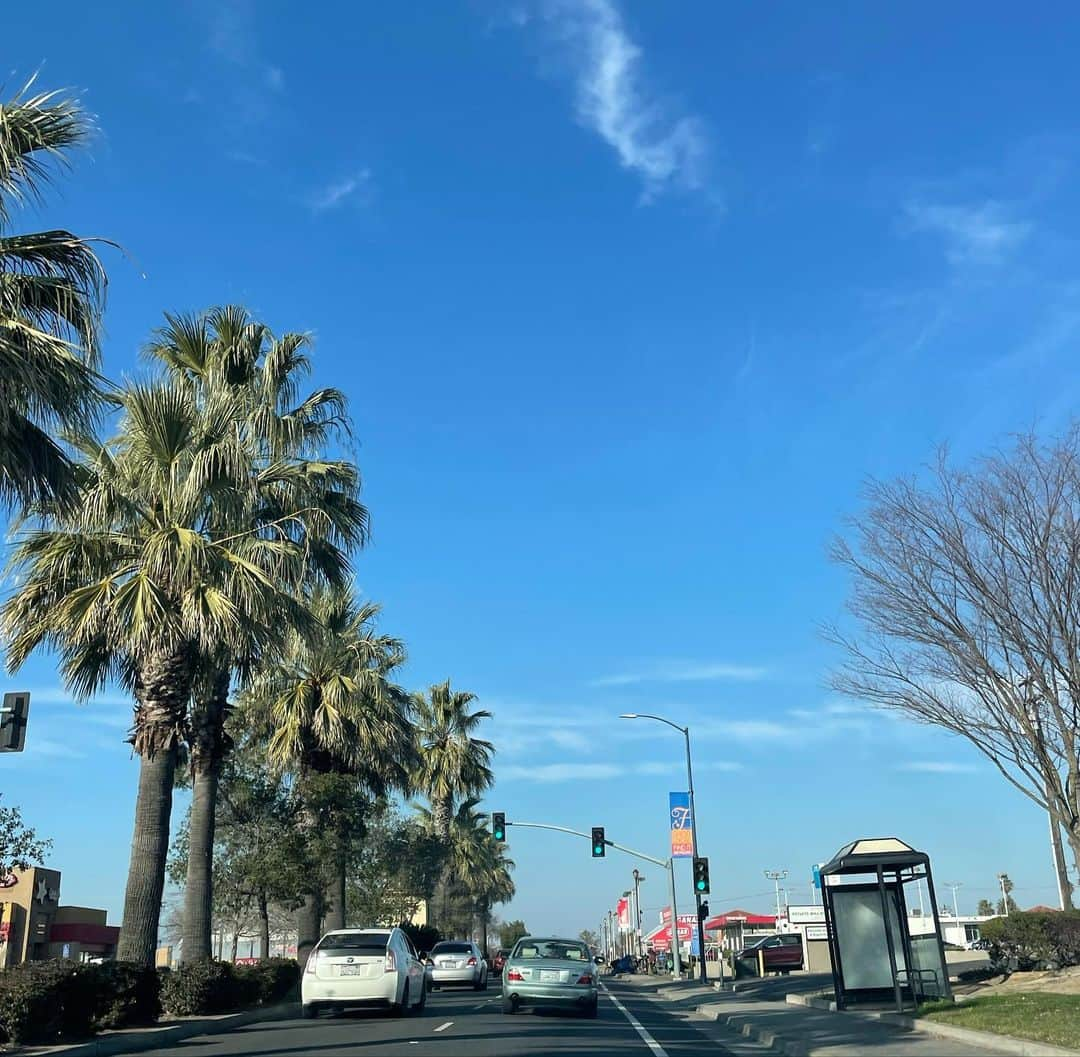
(668,865)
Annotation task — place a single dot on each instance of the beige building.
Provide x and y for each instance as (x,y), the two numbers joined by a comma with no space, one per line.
(34,927)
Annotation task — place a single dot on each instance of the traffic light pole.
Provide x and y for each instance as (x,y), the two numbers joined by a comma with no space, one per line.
(693,837)
(669,865)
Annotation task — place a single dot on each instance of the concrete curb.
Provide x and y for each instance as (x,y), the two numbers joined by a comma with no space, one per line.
(766,1036)
(985,1039)
(136,1040)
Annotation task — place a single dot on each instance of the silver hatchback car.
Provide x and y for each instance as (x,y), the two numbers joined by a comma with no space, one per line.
(457,963)
(550,972)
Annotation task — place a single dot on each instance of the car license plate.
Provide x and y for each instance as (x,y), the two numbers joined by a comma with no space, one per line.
(351,970)
(549,976)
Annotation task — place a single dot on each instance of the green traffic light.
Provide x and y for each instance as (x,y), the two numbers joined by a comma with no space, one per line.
(701,886)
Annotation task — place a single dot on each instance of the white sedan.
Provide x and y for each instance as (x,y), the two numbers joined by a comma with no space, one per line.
(363,967)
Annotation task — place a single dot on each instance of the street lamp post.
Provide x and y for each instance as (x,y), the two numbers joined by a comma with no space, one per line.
(685,731)
(635,920)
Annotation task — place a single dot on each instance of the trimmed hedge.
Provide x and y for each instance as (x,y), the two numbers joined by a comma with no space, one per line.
(54,1001)
(1027,940)
(221,987)
(47,1001)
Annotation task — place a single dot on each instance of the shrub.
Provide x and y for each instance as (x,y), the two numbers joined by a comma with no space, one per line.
(48,1001)
(1027,940)
(274,979)
(204,987)
(128,994)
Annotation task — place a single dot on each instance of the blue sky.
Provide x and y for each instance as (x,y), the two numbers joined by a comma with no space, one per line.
(629,299)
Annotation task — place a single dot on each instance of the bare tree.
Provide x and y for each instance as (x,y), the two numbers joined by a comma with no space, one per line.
(967,589)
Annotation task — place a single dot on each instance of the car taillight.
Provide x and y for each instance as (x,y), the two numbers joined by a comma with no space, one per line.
(312,957)
(585,978)
(514,975)
(471,961)
(391,962)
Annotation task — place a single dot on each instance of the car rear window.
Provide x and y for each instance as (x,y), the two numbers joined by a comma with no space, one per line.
(561,950)
(355,942)
(451,948)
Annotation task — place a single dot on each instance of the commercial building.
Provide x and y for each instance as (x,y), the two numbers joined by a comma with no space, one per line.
(35,927)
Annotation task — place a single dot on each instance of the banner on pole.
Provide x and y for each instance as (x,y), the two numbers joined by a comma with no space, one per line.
(682,841)
(622,910)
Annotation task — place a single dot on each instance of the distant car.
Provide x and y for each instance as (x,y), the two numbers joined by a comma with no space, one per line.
(498,960)
(363,967)
(455,963)
(780,954)
(550,972)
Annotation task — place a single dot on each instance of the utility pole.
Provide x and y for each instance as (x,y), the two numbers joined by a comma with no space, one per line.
(954,885)
(1003,880)
(776,876)
(635,921)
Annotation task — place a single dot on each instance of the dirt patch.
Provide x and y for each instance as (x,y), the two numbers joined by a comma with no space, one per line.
(1057,982)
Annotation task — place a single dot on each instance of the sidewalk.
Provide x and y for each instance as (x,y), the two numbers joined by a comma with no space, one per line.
(749,1026)
(135,1040)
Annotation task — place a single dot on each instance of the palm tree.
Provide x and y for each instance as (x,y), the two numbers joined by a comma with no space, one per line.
(454,765)
(479,868)
(337,722)
(133,584)
(51,292)
(224,352)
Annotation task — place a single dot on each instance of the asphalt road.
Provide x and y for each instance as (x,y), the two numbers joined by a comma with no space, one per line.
(466,1023)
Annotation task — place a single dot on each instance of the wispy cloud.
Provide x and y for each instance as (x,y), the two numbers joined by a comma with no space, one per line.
(355,188)
(253,83)
(974,234)
(686,672)
(559,772)
(584,772)
(652,138)
(936,767)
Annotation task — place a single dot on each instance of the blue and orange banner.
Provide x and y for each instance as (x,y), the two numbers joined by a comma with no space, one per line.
(682,842)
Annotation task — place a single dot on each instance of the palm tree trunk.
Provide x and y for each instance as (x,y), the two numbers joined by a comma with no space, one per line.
(335,893)
(149,851)
(442,814)
(162,688)
(264,926)
(235,946)
(209,743)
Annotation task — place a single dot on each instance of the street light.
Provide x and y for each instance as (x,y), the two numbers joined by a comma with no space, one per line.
(685,732)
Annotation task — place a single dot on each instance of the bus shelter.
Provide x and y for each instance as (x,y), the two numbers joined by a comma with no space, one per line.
(875,958)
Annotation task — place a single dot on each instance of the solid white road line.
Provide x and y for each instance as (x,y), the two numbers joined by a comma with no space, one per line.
(443,1027)
(636,1025)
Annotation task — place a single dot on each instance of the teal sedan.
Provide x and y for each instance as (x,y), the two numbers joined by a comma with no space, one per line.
(550,972)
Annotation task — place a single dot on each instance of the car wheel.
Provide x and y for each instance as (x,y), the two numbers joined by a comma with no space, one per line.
(309,1011)
(509,1005)
(591,1010)
(479,984)
(423,1000)
(399,1008)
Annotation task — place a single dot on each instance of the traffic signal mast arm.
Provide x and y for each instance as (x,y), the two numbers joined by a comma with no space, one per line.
(607,840)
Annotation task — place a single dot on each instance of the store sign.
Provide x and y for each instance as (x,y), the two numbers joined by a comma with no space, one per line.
(817,932)
(682,838)
(806,915)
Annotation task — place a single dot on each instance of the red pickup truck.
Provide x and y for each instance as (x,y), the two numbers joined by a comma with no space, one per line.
(780,954)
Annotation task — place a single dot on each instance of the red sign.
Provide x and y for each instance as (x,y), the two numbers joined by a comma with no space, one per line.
(5,931)
(622,910)
(247,961)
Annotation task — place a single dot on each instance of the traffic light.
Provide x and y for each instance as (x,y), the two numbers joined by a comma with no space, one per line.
(498,826)
(599,845)
(703,910)
(701,876)
(13,722)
